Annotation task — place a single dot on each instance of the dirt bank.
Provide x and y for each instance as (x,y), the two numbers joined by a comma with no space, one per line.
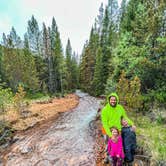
(41,111)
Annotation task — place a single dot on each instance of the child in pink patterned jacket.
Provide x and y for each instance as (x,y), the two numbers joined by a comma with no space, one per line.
(115,147)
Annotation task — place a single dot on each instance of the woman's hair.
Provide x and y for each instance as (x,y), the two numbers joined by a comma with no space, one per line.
(113,127)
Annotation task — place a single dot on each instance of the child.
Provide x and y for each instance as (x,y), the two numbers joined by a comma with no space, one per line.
(129,141)
(115,148)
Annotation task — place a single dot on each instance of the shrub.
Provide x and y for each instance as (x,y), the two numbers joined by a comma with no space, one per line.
(6,98)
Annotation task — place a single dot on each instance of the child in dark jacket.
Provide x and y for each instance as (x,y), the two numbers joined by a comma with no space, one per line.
(129,141)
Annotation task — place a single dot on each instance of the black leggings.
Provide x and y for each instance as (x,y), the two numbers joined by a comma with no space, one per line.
(116,161)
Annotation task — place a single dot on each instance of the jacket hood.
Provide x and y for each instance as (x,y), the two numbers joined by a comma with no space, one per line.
(115,95)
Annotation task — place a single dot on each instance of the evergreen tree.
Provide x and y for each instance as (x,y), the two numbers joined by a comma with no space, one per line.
(122,12)
(99,20)
(4,41)
(88,61)
(16,40)
(97,79)
(31,74)
(33,33)
(57,53)
(113,10)
(49,58)
(123,88)
(104,46)
(19,67)
(1,65)
(134,98)
(68,65)
(74,73)
(72,68)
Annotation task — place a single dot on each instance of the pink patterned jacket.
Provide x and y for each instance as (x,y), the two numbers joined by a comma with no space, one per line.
(115,148)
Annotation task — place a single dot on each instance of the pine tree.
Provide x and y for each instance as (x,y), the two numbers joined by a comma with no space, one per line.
(134,94)
(97,79)
(72,68)
(33,33)
(113,11)
(87,65)
(57,53)
(19,67)
(122,13)
(123,88)
(99,20)
(30,74)
(74,73)
(49,58)
(68,65)
(104,46)
(1,77)
(16,40)
(4,41)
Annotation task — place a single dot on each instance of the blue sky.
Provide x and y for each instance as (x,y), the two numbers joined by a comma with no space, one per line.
(74,17)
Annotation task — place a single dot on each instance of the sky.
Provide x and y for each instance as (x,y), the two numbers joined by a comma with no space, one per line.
(74,18)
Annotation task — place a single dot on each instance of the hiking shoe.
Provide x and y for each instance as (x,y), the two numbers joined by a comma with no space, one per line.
(106,160)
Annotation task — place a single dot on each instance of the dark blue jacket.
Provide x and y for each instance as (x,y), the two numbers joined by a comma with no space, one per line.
(129,143)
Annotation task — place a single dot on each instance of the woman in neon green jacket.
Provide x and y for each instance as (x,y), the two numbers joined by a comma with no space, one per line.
(111,114)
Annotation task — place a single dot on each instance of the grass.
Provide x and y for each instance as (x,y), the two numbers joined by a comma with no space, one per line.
(151,136)
(37,97)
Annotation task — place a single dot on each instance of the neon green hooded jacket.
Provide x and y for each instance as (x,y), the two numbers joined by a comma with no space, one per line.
(111,116)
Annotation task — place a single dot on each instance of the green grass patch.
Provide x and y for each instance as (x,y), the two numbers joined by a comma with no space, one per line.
(37,95)
(151,136)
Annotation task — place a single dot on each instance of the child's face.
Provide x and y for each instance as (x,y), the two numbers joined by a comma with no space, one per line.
(124,122)
(114,132)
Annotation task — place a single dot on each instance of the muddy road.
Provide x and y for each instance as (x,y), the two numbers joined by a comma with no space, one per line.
(65,141)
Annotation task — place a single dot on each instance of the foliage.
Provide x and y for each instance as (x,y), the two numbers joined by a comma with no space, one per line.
(6,132)
(36,95)
(153,142)
(18,98)
(123,88)
(129,92)
(6,98)
(97,80)
(18,67)
(134,98)
(110,86)
(37,62)
(71,67)
(129,38)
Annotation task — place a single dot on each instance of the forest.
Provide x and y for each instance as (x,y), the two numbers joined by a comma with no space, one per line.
(125,52)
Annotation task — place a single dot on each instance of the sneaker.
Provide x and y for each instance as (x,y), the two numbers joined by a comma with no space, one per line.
(106,160)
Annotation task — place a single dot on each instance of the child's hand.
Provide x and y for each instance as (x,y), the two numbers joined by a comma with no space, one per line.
(117,156)
(134,128)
